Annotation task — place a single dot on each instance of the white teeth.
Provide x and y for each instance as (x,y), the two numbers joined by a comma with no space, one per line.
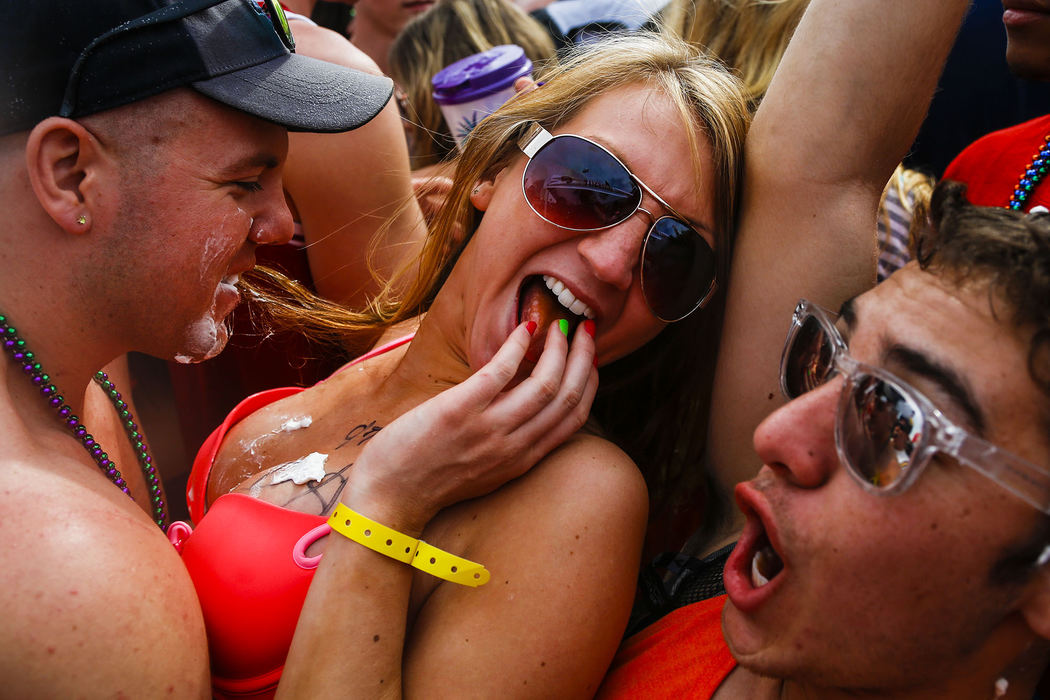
(566,298)
(757,579)
(231,280)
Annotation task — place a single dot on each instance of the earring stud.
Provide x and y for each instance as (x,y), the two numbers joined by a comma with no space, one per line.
(82,219)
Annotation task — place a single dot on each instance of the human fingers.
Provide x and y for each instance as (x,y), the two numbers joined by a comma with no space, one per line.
(524,85)
(568,410)
(478,391)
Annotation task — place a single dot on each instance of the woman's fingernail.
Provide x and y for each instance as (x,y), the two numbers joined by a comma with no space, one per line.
(563,326)
(530,327)
(588,326)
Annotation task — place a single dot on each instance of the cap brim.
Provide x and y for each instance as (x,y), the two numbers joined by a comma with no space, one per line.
(302,93)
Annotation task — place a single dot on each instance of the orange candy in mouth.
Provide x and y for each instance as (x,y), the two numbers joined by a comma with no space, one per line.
(537,304)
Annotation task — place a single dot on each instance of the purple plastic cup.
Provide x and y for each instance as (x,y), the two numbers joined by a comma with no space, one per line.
(474,87)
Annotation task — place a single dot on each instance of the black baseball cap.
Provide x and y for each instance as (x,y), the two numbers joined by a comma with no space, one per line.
(73,58)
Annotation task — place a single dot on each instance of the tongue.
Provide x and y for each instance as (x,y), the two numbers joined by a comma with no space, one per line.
(539,305)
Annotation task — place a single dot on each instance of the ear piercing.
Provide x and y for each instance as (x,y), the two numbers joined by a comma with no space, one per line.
(82,219)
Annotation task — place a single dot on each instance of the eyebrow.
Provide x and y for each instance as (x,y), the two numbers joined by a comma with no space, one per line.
(266,161)
(948,380)
(848,313)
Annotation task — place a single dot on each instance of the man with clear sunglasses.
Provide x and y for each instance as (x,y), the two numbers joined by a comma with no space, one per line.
(141,147)
(874,566)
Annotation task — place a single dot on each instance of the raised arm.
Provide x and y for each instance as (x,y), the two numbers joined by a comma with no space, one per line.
(844,107)
(346,186)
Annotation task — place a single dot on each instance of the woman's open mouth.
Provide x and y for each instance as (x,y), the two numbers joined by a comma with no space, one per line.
(545,300)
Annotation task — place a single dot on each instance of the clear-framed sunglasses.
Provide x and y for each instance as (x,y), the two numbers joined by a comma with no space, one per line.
(886,431)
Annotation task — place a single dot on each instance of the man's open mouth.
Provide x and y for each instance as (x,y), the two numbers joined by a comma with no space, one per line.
(545,299)
(765,562)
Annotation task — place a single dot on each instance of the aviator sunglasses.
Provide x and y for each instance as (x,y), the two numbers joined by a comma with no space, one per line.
(886,431)
(577,184)
(270,10)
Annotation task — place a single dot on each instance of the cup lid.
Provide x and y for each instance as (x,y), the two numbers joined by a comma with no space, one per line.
(478,75)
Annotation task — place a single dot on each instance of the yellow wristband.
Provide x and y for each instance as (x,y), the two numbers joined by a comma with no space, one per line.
(409,550)
(438,562)
(373,535)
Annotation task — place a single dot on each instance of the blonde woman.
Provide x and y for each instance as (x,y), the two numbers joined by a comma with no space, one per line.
(562,541)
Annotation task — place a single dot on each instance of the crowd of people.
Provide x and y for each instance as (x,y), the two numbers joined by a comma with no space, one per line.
(680,376)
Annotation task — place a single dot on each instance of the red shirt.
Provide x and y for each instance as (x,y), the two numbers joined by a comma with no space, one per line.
(992,165)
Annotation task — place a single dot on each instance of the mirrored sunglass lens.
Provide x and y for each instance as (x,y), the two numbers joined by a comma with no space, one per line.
(575,184)
(808,359)
(880,430)
(280,22)
(678,268)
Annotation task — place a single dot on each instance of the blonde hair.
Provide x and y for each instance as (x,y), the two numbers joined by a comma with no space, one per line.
(749,36)
(447,32)
(913,189)
(654,403)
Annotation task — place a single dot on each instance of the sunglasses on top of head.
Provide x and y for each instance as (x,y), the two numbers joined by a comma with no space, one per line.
(886,431)
(579,185)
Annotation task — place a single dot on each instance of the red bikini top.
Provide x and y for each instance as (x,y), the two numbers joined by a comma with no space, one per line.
(248,562)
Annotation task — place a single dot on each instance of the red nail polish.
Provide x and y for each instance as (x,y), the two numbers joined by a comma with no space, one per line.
(588,326)
(530,327)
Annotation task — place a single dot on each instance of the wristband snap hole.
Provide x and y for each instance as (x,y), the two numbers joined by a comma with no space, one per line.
(477,575)
(368,533)
(407,550)
(389,542)
(348,523)
(454,569)
(433,560)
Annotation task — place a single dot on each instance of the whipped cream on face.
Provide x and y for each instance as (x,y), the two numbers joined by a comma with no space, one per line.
(566,298)
(205,338)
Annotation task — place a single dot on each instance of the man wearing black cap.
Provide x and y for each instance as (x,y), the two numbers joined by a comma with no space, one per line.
(141,146)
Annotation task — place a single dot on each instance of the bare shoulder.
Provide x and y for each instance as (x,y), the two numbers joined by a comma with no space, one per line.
(318,42)
(96,600)
(596,466)
(563,545)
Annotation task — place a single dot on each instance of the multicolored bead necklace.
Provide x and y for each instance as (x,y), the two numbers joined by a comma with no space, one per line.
(16,348)
(1033,173)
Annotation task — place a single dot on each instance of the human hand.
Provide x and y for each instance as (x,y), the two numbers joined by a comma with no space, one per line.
(477,435)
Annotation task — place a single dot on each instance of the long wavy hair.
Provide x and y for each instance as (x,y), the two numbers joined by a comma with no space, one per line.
(654,402)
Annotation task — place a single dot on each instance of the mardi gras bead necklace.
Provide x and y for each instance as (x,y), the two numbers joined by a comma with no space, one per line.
(1033,173)
(16,348)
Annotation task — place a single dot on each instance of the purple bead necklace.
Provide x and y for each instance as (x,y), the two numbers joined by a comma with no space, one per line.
(16,348)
